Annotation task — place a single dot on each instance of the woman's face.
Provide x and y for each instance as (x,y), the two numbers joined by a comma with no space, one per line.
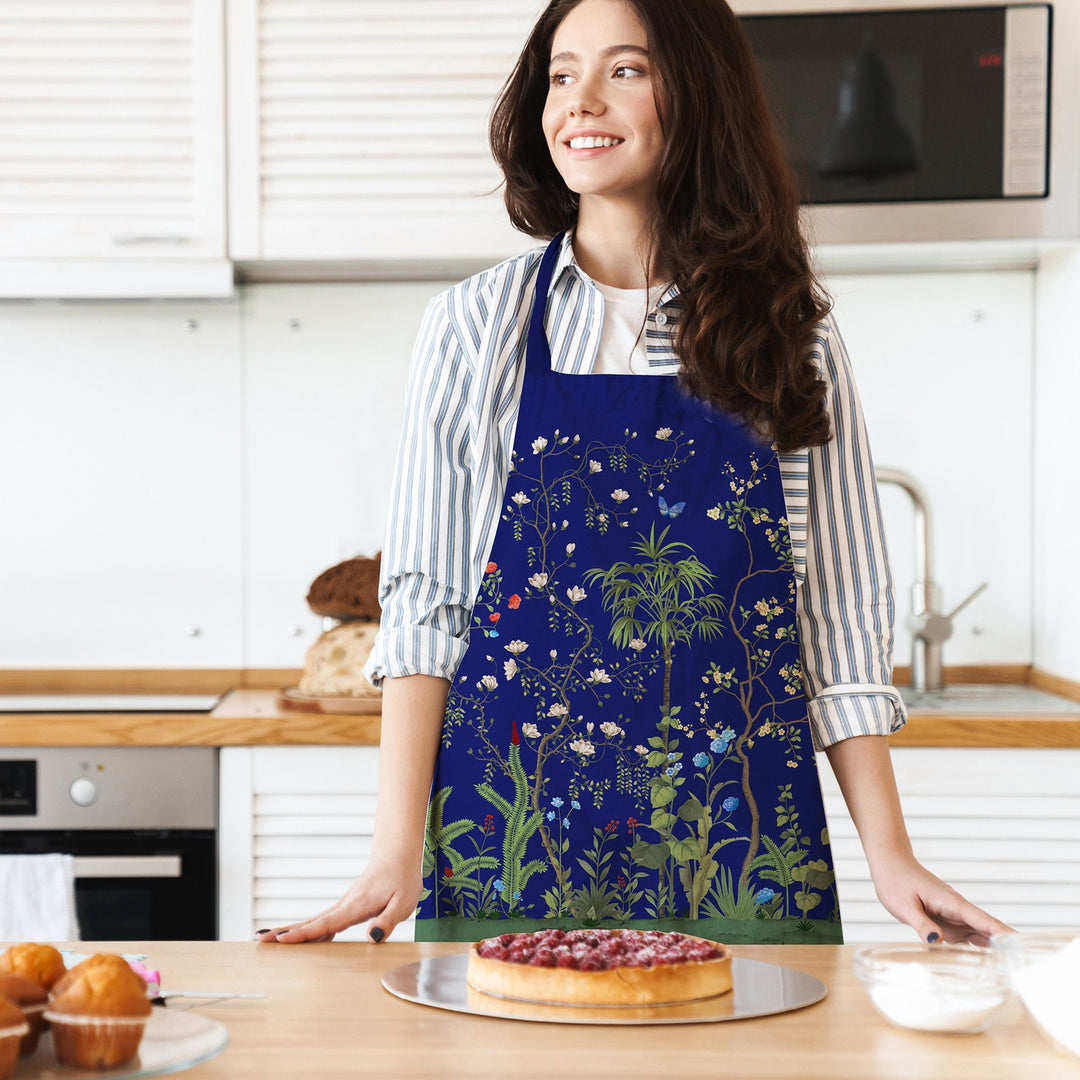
(600,118)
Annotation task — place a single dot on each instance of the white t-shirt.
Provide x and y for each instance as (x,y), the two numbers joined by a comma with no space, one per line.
(622,339)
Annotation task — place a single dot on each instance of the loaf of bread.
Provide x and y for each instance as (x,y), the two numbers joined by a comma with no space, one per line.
(334,664)
(349,590)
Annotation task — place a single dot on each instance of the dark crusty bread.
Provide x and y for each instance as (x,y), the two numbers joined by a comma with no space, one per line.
(349,590)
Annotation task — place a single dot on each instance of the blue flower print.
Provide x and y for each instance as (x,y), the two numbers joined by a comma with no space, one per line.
(677,766)
(556,802)
(566,823)
(763,896)
(730,804)
(701,760)
(671,756)
(498,885)
(722,741)
(575,804)
(517,896)
(669,772)
(551,815)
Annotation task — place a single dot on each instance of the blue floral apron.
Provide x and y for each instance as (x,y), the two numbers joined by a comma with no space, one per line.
(626,741)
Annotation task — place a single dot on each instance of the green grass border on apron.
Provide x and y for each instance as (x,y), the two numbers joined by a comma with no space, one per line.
(730,931)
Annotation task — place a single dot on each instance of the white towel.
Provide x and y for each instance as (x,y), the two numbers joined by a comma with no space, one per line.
(37,898)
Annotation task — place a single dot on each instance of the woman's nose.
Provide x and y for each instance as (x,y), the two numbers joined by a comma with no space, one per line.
(586,101)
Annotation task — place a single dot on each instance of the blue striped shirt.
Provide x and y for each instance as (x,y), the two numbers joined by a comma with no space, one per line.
(453,460)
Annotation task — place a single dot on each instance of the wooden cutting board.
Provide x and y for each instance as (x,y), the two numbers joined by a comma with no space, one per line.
(291,698)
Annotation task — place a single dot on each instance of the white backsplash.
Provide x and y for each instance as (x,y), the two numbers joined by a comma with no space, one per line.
(161,476)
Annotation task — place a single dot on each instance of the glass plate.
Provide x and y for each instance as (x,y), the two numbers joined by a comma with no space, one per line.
(172,1041)
(760,989)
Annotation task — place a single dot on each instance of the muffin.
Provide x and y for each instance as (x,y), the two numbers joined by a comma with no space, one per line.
(98,1020)
(99,960)
(31,999)
(38,963)
(12,1029)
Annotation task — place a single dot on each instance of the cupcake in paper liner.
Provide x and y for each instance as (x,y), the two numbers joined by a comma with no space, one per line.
(13,1027)
(111,961)
(42,964)
(31,1000)
(98,1019)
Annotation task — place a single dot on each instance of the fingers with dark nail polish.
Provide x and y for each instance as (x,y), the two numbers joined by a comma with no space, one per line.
(932,938)
(376,933)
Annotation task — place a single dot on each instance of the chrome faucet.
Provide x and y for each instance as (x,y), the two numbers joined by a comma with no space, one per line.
(929,627)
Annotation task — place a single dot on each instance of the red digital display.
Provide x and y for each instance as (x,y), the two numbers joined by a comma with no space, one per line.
(990,60)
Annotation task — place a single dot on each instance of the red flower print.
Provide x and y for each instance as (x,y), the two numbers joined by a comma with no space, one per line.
(491,568)
(447,872)
(620,881)
(514,740)
(630,823)
(494,616)
(514,601)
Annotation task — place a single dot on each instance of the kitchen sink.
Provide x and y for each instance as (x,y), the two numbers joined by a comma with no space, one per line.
(1005,698)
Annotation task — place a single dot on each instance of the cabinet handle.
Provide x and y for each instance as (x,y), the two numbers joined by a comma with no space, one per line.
(130,239)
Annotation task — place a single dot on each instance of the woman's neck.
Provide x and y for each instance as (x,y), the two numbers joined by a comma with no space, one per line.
(611,242)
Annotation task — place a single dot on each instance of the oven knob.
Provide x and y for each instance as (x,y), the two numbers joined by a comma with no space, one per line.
(83,792)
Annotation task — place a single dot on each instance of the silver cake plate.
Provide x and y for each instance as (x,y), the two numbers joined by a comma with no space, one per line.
(760,989)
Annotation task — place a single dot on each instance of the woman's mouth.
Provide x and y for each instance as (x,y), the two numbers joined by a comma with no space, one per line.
(593,142)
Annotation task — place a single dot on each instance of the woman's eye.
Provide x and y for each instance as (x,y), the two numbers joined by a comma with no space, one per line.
(559,79)
(626,70)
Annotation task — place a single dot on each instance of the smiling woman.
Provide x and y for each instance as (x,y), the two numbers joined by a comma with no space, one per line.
(619,615)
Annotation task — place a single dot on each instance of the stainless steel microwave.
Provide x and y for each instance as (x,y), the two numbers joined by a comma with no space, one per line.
(925,121)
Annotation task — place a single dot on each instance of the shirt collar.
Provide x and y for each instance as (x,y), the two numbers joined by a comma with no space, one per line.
(565,261)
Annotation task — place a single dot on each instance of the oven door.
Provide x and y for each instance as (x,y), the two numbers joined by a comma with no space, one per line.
(145,885)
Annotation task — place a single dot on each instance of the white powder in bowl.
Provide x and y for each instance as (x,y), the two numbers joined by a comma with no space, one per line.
(916,996)
(1050,988)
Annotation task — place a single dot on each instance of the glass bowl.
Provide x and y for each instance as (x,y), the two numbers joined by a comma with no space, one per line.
(1044,968)
(950,988)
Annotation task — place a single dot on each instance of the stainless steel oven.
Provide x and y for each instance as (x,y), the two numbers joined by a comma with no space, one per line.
(140,823)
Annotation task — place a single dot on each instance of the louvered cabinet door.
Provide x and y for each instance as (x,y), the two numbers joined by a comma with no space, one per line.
(112,129)
(358,128)
(1002,826)
(296,830)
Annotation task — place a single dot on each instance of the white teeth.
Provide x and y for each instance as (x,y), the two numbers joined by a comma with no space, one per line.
(590,142)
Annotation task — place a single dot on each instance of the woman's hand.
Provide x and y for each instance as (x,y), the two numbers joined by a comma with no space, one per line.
(933,909)
(387,892)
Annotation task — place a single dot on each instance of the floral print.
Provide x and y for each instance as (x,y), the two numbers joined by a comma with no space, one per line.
(633,750)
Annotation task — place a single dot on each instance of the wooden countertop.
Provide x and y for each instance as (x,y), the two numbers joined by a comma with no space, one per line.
(251,717)
(326,1015)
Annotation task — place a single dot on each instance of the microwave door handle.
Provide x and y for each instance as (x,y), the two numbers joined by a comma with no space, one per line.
(128,866)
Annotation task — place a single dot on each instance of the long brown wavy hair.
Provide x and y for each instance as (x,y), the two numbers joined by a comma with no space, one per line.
(727,217)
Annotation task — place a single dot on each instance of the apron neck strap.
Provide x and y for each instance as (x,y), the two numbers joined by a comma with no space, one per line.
(538,352)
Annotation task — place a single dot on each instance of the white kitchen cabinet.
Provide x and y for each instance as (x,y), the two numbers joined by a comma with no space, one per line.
(357,128)
(1001,826)
(296,828)
(112,138)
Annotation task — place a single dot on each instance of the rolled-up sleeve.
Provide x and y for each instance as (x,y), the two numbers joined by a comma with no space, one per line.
(423,582)
(845,602)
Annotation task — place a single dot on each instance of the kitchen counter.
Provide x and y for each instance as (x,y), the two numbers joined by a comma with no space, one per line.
(326,1015)
(252,717)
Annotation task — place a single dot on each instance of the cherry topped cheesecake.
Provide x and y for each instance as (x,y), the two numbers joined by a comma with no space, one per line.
(600,967)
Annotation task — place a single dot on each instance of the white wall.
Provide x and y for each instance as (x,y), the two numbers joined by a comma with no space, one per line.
(944,365)
(155,477)
(1057,454)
